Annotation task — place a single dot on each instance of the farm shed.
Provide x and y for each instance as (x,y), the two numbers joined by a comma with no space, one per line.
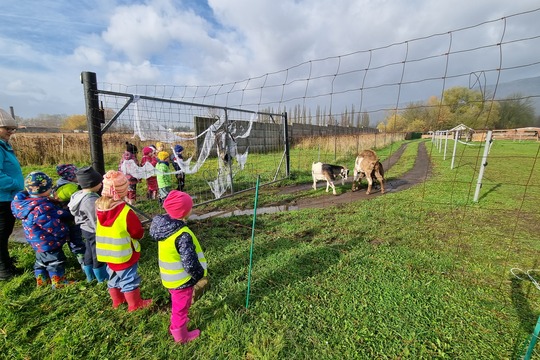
(464,130)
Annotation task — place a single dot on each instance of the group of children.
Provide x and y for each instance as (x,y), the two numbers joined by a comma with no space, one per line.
(73,210)
(160,185)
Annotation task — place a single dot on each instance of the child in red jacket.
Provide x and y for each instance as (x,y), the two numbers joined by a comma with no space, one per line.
(118,231)
(151,182)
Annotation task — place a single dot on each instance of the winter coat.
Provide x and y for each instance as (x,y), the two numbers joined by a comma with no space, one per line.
(164,226)
(172,160)
(42,221)
(129,156)
(64,189)
(163,180)
(83,207)
(152,180)
(11,177)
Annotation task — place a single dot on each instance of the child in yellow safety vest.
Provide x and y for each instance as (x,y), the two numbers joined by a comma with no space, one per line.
(118,231)
(182,263)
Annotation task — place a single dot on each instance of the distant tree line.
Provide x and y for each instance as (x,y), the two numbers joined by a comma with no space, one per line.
(460,105)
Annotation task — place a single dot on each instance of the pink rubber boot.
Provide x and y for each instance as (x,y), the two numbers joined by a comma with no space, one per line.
(182,335)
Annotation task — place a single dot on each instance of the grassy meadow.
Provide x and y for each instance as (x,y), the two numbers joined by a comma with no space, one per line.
(418,274)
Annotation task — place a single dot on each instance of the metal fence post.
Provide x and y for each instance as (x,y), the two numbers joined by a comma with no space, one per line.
(94,118)
(287,149)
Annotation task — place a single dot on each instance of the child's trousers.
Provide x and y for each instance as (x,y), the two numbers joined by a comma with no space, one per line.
(126,280)
(50,267)
(181,302)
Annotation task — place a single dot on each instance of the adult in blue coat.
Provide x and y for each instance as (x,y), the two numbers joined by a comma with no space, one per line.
(11,182)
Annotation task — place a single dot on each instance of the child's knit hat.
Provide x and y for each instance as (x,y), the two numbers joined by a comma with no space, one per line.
(147,150)
(115,185)
(87,177)
(67,172)
(163,155)
(37,182)
(131,148)
(178,149)
(178,204)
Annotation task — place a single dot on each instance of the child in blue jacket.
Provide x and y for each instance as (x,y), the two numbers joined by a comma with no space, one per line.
(43,228)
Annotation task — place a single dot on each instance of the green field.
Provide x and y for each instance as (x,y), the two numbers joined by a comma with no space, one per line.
(418,274)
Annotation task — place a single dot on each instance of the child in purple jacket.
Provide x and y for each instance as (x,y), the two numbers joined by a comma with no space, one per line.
(43,228)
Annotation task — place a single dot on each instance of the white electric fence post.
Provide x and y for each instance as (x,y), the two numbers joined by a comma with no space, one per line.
(483,167)
(455,148)
(445,143)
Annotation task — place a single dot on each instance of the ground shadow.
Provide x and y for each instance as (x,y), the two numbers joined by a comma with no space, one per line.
(527,318)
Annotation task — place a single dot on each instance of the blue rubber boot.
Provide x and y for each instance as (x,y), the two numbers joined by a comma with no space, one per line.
(101,274)
(88,271)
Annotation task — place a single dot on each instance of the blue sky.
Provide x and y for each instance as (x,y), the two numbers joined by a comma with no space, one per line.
(45,44)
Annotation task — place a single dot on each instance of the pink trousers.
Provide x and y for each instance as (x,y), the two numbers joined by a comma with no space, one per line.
(181,302)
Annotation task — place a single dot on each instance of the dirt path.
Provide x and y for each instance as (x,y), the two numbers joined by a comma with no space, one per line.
(420,171)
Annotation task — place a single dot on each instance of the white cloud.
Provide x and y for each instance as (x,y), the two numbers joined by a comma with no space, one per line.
(85,55)
(129,74)
(136,31)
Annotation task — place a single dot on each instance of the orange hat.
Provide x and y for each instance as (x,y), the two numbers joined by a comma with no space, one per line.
(115,185)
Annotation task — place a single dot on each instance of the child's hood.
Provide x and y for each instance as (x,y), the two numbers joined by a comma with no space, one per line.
(107,217)
(164,226)
(24,204)
(77,198)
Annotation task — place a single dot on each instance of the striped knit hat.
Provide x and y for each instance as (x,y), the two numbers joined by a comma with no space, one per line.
(115,185)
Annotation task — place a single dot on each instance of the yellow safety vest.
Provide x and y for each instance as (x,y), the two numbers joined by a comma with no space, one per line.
(171,270)
(113,244)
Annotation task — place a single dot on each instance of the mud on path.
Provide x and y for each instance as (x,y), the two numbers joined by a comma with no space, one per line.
(418,174)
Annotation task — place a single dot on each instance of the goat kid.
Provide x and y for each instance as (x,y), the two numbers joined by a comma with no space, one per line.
(367,165)
(328,172)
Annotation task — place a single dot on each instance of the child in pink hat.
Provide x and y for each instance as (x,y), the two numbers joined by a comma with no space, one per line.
(151,182)
(181,260)
(118,231)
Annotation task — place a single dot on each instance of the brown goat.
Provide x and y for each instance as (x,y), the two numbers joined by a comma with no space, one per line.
(367,164)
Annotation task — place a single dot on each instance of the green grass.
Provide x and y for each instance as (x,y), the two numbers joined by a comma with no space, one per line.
(419,274)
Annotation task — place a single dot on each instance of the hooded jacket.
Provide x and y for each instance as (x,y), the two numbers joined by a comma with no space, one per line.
(164,226)
(41,220)
(164,180)
(11,176)
(125,157)
(64,189)
(83,207)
